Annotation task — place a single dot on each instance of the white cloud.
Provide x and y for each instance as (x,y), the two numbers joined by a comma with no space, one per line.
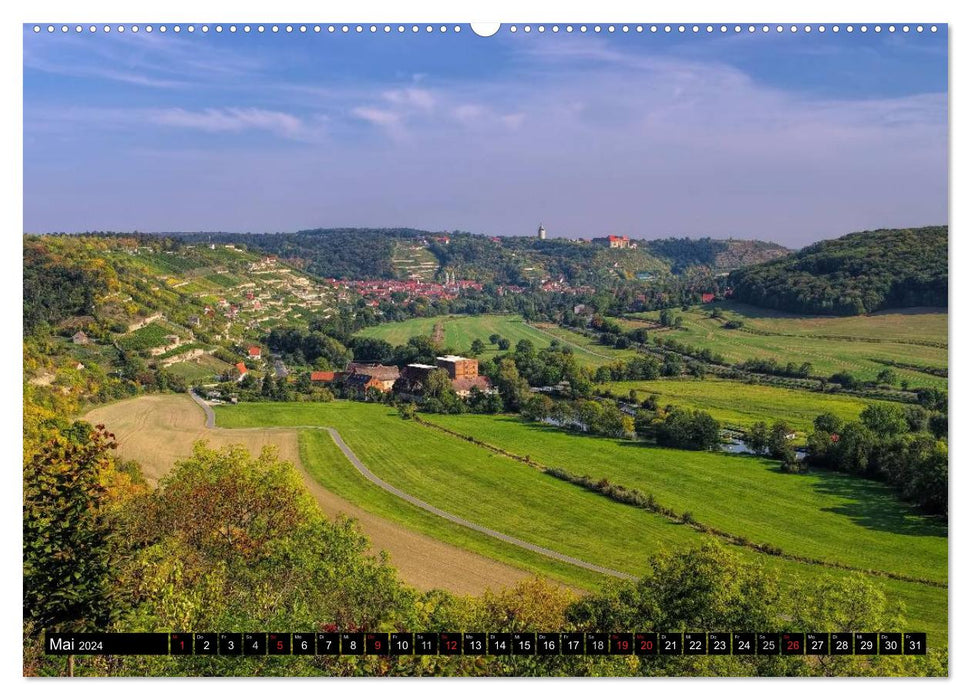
(411,97)
(380,117)
(234,120)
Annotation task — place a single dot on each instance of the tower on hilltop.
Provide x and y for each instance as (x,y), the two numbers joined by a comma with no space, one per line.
(541,233)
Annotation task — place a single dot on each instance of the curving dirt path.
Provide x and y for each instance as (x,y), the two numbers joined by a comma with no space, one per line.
(159,430)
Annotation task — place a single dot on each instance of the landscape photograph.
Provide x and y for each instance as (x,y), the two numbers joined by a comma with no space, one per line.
(614,350)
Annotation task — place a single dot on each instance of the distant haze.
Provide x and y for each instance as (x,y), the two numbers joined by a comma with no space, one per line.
(787,138)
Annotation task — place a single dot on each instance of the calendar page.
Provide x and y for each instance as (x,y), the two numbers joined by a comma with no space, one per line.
(526,349)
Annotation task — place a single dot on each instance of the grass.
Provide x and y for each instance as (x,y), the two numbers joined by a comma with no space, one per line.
(150,336)
(830,344)
(581,344)
(485,488)
(817,514)
(460,331)
(328,466)
(223,280)
(167,263)
(823,515)
(739,405)
(200,369)
(908,325)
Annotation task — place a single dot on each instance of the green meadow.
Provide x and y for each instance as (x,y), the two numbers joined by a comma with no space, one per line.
(855,344)
(739,405)
(821,515)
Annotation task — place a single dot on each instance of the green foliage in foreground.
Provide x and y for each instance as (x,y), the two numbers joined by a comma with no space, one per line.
(228,541)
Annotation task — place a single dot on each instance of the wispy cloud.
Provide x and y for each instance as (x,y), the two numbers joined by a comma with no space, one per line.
(379,117)
(411,98)
(145,59)
(234,120)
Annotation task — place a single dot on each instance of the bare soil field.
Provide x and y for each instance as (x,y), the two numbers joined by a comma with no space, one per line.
(157,431)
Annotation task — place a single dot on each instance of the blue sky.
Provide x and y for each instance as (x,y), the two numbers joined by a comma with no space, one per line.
(785,137)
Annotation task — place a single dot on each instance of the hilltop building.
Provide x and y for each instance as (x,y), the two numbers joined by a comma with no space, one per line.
(541,233)
(615,242)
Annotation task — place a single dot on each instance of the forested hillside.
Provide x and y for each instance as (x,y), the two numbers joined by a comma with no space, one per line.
(362,253)
(730,254)
(858,273)
(57,286)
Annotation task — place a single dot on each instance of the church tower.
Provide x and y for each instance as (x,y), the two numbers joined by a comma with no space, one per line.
(541,233)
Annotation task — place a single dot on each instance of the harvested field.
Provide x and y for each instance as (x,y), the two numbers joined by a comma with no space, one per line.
(157,431)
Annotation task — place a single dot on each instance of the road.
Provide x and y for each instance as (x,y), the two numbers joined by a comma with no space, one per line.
(418,503)
(206,408)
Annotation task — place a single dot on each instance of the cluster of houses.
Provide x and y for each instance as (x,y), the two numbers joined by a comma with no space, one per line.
(563,287)
(375,291)
(463,372)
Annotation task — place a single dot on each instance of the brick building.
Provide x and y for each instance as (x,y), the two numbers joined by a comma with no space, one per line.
(458,367)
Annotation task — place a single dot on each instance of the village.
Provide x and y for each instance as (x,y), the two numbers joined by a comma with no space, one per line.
(361,380)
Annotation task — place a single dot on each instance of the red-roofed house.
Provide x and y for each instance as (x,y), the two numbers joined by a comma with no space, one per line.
(615,242)
(241,370)
(707,298)
(255,353)
(319,377)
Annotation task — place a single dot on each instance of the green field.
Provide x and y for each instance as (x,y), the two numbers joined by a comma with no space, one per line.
(200,369)
(853,344)
(583,345)
(224,280)
(827,516)
(167,263)
(460,331)
(921,325)
(824,515)
(739,405)
(150,336)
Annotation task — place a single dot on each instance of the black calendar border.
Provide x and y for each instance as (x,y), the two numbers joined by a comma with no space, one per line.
(578,643)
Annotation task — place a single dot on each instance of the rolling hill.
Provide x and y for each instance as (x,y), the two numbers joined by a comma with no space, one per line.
(856,274)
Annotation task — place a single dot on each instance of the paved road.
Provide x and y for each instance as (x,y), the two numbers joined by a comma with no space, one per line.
(380,483)
(377,481)
(210,416)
